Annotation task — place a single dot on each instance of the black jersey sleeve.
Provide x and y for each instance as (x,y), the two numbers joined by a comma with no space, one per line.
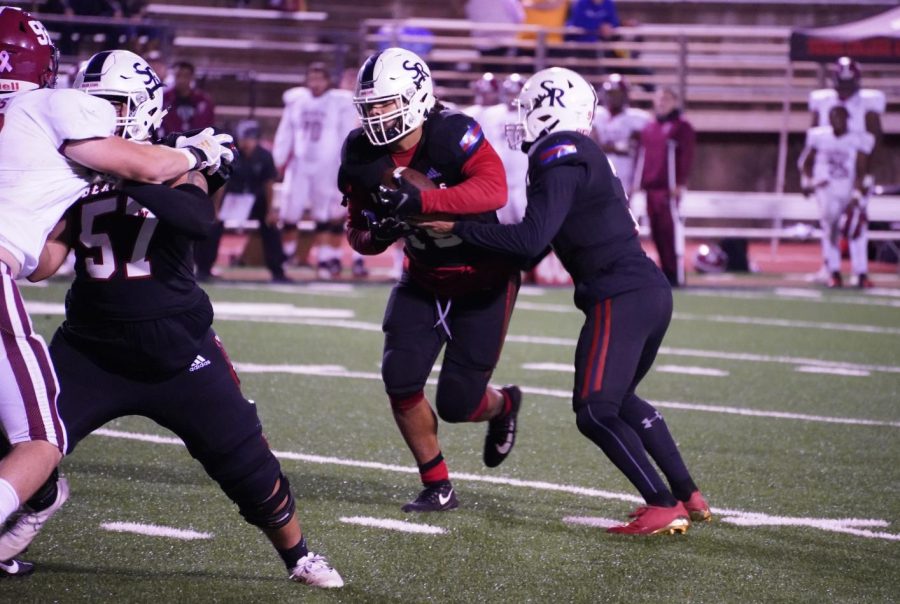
(186,208)
(549,199)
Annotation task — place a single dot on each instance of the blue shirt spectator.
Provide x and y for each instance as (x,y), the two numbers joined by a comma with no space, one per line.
(597,17)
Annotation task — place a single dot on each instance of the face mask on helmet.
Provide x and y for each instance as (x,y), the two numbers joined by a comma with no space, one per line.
(846,75)
(124,78)
(394,93)
(28,58)
(553,100)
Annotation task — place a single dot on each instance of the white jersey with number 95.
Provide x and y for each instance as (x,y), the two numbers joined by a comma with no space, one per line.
(37,182)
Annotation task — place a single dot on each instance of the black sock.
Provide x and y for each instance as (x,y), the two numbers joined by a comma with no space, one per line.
(292,555)
(651,428)
(45,496)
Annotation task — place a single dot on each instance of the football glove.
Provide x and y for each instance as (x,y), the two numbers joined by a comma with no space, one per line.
(211,150)
(405,200)
(214,180)
(386,230)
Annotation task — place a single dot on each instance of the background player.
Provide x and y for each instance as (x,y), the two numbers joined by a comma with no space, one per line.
(137,339)
(493,120)
(47,139)
(617,128)
(834,168)
(307,150)
(667,147)
(450,293)
(576,203)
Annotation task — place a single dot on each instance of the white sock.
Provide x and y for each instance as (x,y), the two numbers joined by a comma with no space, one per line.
(9,500)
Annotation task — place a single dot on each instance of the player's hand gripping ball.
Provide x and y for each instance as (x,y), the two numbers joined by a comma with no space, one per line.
(400,193)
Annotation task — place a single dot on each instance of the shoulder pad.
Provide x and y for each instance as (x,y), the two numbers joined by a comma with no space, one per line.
(823,97)
(456,132)
(556,149)
(355,146)
(638,117)
(601,115)
(873,100)
(816,135)
(865,142)
(292,95)
(76,115)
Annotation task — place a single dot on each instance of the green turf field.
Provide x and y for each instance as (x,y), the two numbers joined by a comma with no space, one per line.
(786,406)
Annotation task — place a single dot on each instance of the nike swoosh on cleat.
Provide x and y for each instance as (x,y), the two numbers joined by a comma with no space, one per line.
(11,567)
(504,448)
(443,500)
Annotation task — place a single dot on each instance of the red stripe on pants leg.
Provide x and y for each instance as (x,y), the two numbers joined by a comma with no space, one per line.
(604,349)
(585,387)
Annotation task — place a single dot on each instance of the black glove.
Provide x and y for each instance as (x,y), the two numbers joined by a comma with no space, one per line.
(386,230)
(405,200)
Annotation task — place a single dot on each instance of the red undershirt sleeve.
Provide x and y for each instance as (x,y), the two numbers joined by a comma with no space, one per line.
(483,190)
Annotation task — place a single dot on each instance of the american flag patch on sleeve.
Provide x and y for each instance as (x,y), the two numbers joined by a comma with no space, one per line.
(557,151)
(471,138)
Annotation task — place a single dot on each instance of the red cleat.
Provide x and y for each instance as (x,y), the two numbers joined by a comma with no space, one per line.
(863,282)
(698,508)
(655,520)
(834,281)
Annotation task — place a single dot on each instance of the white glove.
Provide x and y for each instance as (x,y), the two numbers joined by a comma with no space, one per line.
(210,150)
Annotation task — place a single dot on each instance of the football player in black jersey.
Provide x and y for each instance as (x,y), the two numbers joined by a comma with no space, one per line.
(577,205)
(451,293)
(137,339)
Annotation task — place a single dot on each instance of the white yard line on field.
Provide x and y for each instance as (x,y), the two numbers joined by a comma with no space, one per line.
(841,525)
(394,525)
(154,530)
(58,309)
(335,371)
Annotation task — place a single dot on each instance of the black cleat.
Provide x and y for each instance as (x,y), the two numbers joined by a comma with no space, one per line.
(437,498)
(501,433)
(15,568)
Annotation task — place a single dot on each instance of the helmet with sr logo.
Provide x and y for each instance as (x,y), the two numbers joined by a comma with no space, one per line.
(553,100)
(394,93)
(846,75)
(120,76)
(28,58)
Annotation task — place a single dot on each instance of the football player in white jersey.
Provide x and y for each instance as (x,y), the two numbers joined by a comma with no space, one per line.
(307,148)
(834,169)
(494,119)
(51,143)
(864,105)
(617,128)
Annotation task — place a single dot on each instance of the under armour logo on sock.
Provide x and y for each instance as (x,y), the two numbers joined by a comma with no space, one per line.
(648,421)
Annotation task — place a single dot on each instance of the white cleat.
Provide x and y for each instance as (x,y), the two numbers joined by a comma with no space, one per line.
(313,569)
(23,526)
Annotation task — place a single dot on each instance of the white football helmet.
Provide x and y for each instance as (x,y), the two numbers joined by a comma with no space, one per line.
(553,100)
(120,76)
(393,76)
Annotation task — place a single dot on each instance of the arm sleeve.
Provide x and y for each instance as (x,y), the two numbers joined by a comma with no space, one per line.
(483,190)
(185,208)
(549,201)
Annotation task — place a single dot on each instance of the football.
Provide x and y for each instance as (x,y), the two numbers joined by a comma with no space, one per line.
(413,177)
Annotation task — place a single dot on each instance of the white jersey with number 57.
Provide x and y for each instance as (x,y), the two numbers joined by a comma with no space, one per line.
(37,182)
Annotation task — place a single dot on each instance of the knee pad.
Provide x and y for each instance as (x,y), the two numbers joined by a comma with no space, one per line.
(588,415)
(458,397)
(251,477)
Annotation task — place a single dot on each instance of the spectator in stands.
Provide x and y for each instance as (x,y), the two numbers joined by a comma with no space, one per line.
(668,145)
(617,128)
(70,36)
(307,149)
(598,20)
(254,174)
(550,14)
(834,169)
(495,12)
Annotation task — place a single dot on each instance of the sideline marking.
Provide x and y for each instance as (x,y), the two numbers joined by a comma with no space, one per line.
(340,372)
(841,525)
(154,530)
(393,525)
